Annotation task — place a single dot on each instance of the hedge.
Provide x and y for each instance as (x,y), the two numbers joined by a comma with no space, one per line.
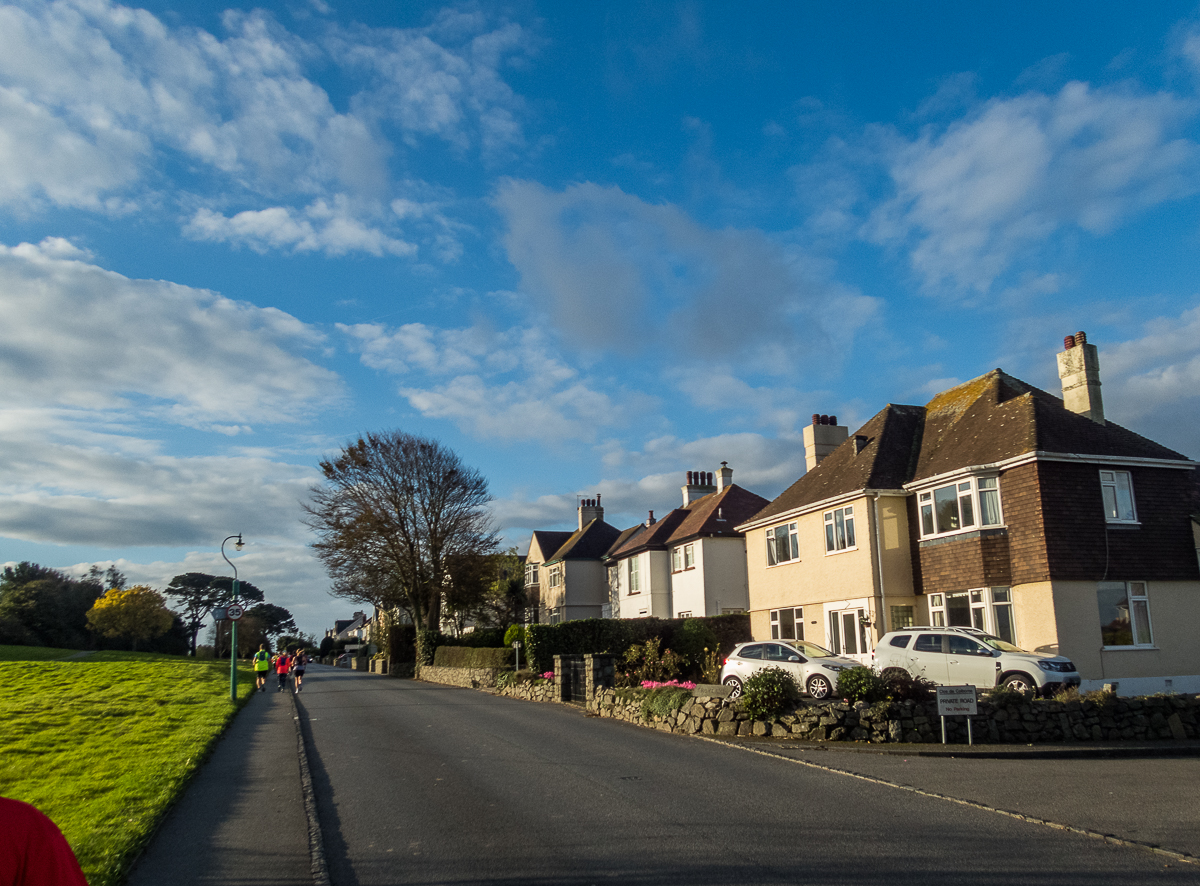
(473,657)
(615,635)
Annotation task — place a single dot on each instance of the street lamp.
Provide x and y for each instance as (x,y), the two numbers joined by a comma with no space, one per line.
(233,621)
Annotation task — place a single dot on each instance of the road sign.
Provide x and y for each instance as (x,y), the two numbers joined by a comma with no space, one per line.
(956,701)
(234,612)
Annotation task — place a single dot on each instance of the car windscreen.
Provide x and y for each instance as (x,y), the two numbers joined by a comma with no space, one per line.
(997,643)
(812,650)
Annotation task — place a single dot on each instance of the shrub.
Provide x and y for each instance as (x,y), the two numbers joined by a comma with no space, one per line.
(1100,697)
(693,640)
(1003,697)
(645,662)
(710,668)
(903,686)
(664,701)
(862,684)
(473,657)
(514,634)
(506,679)
(769,692)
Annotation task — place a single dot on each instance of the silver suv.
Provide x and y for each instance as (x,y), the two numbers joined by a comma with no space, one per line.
(968,656)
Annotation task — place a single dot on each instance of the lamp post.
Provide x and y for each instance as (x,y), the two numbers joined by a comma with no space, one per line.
(233,622)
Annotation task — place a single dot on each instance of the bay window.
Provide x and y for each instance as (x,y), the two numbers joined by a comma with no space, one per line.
(957,507)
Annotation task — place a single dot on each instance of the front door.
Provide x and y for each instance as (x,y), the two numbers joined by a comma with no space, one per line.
(848,634)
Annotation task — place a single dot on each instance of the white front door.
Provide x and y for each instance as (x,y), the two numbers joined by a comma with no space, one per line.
(848,634)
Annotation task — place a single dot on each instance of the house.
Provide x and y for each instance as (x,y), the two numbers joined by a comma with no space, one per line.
(566,569)
(999,506)
(692,562)
(351,629)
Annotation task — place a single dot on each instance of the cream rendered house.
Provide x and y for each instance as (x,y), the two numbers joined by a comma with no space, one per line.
(568,569)
(996,506)
(692,562)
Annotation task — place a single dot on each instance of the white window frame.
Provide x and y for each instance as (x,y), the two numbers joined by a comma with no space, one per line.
(781,618)
(555,576)
(1137,595)
(689,556)
(635,579)
(1116,491)
(981,497)
(793,544)
(984,604)
(849,538)
(677,559)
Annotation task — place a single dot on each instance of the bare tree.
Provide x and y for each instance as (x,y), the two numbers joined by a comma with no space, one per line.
(393,516)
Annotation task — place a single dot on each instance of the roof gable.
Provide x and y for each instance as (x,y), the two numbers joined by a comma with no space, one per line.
(589,543)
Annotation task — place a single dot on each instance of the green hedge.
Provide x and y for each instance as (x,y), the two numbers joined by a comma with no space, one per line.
(615,635)
(473,657)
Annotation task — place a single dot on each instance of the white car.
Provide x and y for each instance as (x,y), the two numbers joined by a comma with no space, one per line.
(970,657)
(814,668)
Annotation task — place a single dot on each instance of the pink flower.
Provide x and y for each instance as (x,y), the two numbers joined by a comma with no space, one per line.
(549,675)
(651,684)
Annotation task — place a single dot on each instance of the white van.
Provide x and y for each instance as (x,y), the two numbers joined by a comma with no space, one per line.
(968,656)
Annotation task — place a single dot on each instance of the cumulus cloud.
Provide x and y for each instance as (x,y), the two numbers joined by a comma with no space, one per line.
(661,280)
(989,188)
(100,102)
(506,385)
(77,335)
(320,227)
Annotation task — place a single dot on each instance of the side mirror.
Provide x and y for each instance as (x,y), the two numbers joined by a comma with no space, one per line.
(794,658)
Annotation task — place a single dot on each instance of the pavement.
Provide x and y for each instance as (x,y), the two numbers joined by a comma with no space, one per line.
(249,817)
(243,820)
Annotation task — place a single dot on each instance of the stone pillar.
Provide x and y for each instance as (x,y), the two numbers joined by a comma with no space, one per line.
(599,673)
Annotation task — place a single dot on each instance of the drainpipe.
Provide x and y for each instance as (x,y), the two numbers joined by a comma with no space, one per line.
(882,620)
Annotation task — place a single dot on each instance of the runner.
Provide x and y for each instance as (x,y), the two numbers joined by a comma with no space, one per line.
(282,663)
(262,664)
(299,662)
(33,850)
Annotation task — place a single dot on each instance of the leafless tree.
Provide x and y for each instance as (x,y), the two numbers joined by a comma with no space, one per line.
(394,514)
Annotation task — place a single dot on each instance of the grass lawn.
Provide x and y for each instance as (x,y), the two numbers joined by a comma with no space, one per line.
(33,653)
(104,744)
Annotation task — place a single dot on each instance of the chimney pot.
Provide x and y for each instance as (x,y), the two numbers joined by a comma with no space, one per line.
(1068,342)
(833,419)
(1081,337)
(824,419)
(816,418)
(709,478)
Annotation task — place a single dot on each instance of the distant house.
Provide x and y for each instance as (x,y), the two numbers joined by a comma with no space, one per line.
(566,568)
(692,562)
(999,506)
(351,630)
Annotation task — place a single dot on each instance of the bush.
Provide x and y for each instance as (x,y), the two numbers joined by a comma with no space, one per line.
(1003,697)
(664,701)
(903,686)
(710,667)
(645,662)
(514,634)
(862,684)
(693,640)
(769,692)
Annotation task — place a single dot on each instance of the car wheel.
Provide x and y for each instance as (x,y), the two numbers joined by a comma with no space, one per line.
(819,687)
(735,686)
(1020,683)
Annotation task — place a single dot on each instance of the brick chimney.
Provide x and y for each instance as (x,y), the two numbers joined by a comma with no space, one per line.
(822,437)
(699,484)
(1079,369)
(589,510)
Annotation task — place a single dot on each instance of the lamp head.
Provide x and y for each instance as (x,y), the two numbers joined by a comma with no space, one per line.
(238,545)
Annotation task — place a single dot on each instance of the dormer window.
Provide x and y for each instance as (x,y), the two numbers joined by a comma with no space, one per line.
(969,504)
(1117,489)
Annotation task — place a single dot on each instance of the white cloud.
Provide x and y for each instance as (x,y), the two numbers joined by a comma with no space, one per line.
(320,227)
(100,102)
(660,280)
(77,335)
(993,186)
(506,385)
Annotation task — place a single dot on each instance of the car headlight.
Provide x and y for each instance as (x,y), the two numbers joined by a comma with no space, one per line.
(1057,666)
(833,667)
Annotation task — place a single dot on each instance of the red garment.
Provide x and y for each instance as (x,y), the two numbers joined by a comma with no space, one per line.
(282,663)
(33,851)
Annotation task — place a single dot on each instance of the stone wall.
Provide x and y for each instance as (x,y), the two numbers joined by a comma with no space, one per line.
(1145,719)
(471,678)
(542,690)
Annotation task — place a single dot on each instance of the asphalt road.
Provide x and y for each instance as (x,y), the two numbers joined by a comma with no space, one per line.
(424,784)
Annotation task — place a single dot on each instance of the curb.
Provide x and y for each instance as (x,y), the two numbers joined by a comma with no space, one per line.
(979,751)
(316,840)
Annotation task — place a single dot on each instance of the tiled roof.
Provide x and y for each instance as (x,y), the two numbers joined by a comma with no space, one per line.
(589,543)
(733,504)
(652,536)
(549,541)
(986,420)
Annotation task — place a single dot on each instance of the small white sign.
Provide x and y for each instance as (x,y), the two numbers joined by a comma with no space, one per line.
(956,701)
(234,612)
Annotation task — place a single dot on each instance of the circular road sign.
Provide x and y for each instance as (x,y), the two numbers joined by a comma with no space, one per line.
(234,611)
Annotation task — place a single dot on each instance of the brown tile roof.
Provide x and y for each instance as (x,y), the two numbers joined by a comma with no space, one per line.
(589,543)
(988,419)
(652,536)
(700,518)
(549,541)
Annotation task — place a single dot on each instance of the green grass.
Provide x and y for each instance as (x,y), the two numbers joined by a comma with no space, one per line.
(33,653)
(105,744)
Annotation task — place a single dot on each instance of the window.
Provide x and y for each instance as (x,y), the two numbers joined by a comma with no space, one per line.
(752,652)
(901,640)
(839,529)
(683,557)
(635,582)
(902,617)
(928,643)
(531,574)
(787,624)
(988,609)
(958,507)
(1124,613)
(684,615)
(847,633)
(1117,489)
(966,646)
(555,576)
(782,544)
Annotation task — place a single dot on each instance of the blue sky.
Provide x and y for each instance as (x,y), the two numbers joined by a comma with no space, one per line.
(587,248)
